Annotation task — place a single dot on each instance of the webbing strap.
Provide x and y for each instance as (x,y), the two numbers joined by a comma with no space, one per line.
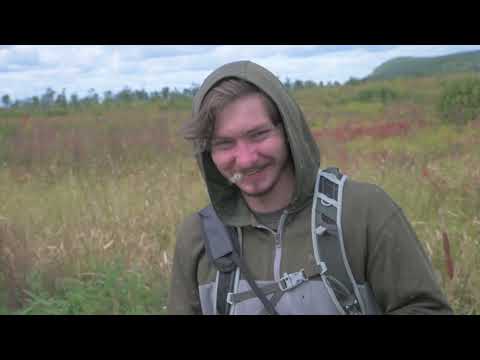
(225,284)
(248,276)
(276,287)
(279,292)
(274,300)
(235,298)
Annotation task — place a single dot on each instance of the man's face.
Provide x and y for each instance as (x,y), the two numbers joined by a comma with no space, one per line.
(246,142)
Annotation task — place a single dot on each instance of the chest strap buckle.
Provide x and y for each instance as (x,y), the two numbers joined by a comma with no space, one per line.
(290,281)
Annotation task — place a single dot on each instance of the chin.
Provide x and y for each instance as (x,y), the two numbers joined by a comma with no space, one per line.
(257,191)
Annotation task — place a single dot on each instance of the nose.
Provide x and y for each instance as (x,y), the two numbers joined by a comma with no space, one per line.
(245,155)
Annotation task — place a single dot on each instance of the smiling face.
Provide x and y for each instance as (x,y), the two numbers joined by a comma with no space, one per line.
(246,144)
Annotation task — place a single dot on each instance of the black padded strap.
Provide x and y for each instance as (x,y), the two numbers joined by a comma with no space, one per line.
(225,285)
(219,240)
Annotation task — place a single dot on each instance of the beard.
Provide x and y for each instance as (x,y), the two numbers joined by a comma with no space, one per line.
(269,189)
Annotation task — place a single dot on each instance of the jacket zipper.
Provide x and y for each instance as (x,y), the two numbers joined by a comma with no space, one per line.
(278,235)
(278,246)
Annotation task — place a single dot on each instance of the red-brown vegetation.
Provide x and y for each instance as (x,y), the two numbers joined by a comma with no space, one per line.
(380,130)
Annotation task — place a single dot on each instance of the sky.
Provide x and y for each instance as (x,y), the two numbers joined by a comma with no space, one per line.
(28,70)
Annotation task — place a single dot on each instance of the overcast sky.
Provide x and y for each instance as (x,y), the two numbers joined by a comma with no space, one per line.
(26,71)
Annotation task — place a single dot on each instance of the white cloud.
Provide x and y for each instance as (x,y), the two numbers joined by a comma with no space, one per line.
(28,70)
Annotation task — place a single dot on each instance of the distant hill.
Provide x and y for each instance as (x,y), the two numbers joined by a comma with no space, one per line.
(427,66)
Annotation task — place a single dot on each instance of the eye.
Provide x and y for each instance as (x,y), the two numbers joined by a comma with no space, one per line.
(223,144)
(260,135)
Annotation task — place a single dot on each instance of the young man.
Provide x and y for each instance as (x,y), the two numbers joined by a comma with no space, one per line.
(260,164)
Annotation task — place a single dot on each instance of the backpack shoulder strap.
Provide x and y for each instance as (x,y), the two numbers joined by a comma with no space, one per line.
(219,241)
(328,246)
(222,247)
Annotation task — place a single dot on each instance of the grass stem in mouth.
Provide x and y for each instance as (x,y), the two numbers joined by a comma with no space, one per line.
(236,178)
(239,176)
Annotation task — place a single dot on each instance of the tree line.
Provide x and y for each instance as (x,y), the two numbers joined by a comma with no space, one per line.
(51,98)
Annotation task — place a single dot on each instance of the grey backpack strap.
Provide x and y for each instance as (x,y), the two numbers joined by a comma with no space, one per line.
(219,241)
(222,248)
(328,246)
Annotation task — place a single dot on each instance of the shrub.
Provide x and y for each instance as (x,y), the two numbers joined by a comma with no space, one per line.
(382,94)
(460,101)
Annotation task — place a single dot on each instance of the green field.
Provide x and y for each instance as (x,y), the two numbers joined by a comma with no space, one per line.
(90,200)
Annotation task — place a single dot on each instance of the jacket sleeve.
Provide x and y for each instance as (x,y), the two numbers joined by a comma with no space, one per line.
(399,270)
(183,297)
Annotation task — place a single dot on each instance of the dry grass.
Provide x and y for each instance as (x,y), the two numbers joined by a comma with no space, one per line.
(72,198)
(89,205)
(438,186)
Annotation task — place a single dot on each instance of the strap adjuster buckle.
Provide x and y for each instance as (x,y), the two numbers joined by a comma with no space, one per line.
(290,281)
(229,298)
(323,268)
(351,307)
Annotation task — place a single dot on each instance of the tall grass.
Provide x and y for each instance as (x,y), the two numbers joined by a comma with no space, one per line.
(434,176)
(85,225)
(90,201)
(88,210)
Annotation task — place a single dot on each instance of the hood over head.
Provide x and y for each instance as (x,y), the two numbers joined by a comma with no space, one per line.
(225,197)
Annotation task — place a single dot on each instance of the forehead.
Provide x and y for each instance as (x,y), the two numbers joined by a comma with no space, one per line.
(241,115)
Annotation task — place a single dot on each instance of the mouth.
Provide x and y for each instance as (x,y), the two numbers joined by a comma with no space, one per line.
(238,176)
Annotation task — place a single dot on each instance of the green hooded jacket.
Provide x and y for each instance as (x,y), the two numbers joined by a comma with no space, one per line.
(381,246)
